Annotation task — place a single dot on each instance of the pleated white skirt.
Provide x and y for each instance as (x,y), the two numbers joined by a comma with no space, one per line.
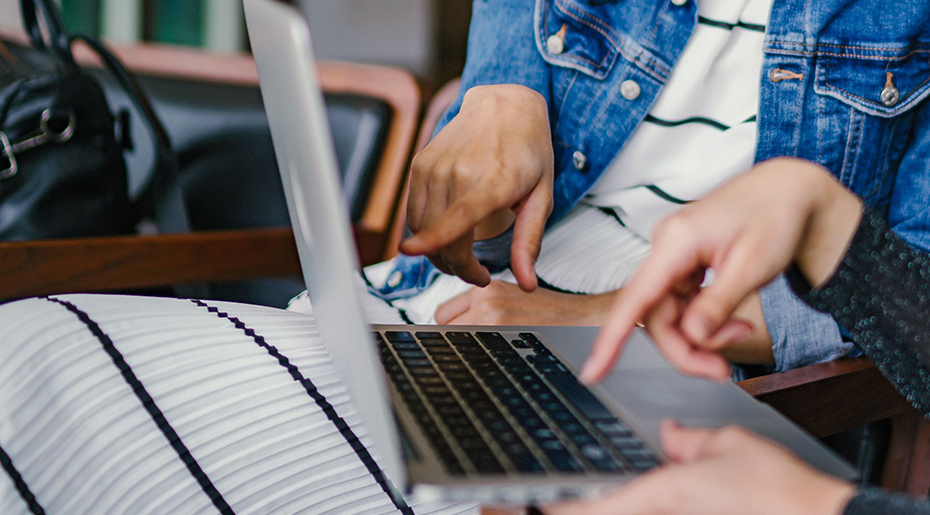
(131,405)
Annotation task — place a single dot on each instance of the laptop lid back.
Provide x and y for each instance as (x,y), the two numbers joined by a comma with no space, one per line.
(280,39)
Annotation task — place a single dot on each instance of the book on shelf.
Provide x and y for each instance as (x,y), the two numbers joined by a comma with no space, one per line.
(215,24)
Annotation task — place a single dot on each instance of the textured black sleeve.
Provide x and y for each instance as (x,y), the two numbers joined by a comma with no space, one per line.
(877,502)
(881,294)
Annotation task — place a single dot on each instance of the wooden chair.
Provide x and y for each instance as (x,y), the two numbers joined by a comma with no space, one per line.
(131,262)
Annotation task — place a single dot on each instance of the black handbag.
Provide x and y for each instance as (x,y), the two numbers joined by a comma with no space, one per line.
(62,166)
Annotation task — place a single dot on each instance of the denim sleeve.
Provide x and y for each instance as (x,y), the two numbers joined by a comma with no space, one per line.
(800,334)
(908,215)
(501,50)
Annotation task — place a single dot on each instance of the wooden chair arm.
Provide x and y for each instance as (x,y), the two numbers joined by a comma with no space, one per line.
(30,268)
(827,398)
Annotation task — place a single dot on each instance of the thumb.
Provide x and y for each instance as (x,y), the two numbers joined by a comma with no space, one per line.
(528,231)
(736,278)
(684,445)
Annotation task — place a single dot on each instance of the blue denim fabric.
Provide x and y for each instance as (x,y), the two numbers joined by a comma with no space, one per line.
(411,275)
(829,343)
(833,115)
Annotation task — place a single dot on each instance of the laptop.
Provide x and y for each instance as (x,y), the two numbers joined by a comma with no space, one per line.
(487,414)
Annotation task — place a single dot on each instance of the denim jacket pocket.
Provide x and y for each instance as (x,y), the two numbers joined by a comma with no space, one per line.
(570,36)
(878,80)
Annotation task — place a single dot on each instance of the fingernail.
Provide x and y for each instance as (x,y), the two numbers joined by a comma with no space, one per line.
(743,334)
(698,328)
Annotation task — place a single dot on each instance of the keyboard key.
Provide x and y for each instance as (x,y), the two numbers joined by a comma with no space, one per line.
(434,343)
(400,336)
(613,428)
(405,346)
(418,363)
(520,344)
(594,452)
(493,341)
(411,354)
(564,461)
(529,338)
(461,338)
(527,463)
(487,464)
(581,397)
(429,335)
(440,351)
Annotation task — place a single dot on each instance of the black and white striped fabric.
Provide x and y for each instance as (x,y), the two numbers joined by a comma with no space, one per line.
(701,131)
(131,405)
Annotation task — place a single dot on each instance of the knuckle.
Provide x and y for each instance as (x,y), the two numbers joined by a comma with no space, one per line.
(732,435)
(672,228)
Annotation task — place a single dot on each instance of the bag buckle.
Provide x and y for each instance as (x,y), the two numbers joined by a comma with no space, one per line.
(46,134)
(11,166)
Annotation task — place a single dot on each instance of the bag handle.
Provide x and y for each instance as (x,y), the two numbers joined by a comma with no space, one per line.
(168,206)
(132,88)
(59,41)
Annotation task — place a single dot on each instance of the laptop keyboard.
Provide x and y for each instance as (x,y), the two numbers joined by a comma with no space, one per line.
(492,406)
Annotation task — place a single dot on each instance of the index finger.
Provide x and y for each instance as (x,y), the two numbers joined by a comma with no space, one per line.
(459,218)
(655,279)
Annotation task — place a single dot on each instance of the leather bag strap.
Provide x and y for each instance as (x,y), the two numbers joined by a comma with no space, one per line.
(59,42)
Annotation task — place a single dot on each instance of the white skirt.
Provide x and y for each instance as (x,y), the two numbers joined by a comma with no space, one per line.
(130,405)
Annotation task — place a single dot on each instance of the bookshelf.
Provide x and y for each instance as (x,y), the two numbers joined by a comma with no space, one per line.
(214,24)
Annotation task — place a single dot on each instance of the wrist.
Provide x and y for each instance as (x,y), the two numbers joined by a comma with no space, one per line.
(831,226)
(833,498)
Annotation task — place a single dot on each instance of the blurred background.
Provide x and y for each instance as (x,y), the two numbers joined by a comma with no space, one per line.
(426,37)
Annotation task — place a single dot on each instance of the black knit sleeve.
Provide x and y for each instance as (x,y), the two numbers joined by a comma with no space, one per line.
(881,294)
(877,502)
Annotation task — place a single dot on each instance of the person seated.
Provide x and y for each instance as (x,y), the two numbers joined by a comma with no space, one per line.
(580,124)
(782,214)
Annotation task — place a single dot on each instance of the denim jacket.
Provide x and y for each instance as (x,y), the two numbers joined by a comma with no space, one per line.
(844,84)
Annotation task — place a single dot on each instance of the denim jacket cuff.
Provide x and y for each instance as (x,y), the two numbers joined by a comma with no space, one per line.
(800,334)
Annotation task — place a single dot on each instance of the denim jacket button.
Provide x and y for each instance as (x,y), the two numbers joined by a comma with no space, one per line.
(555,44)
(395,279)
(890,96)
(579,160)
(630,89)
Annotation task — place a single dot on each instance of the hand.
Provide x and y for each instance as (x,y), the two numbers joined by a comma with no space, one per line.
(726,471)
(747,231)
(503,303)
(491,165)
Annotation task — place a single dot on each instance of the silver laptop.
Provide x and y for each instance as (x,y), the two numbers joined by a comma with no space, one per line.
(490,414)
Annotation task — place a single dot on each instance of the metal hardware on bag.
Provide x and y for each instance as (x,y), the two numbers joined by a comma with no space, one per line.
(43,136)
(11,170)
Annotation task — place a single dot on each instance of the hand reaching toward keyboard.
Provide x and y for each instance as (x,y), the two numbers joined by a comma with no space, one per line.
(490,167)
(782,211)
(721,472)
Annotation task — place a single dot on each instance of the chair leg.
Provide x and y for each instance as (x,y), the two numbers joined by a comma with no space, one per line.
(918,478)
(907,464)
